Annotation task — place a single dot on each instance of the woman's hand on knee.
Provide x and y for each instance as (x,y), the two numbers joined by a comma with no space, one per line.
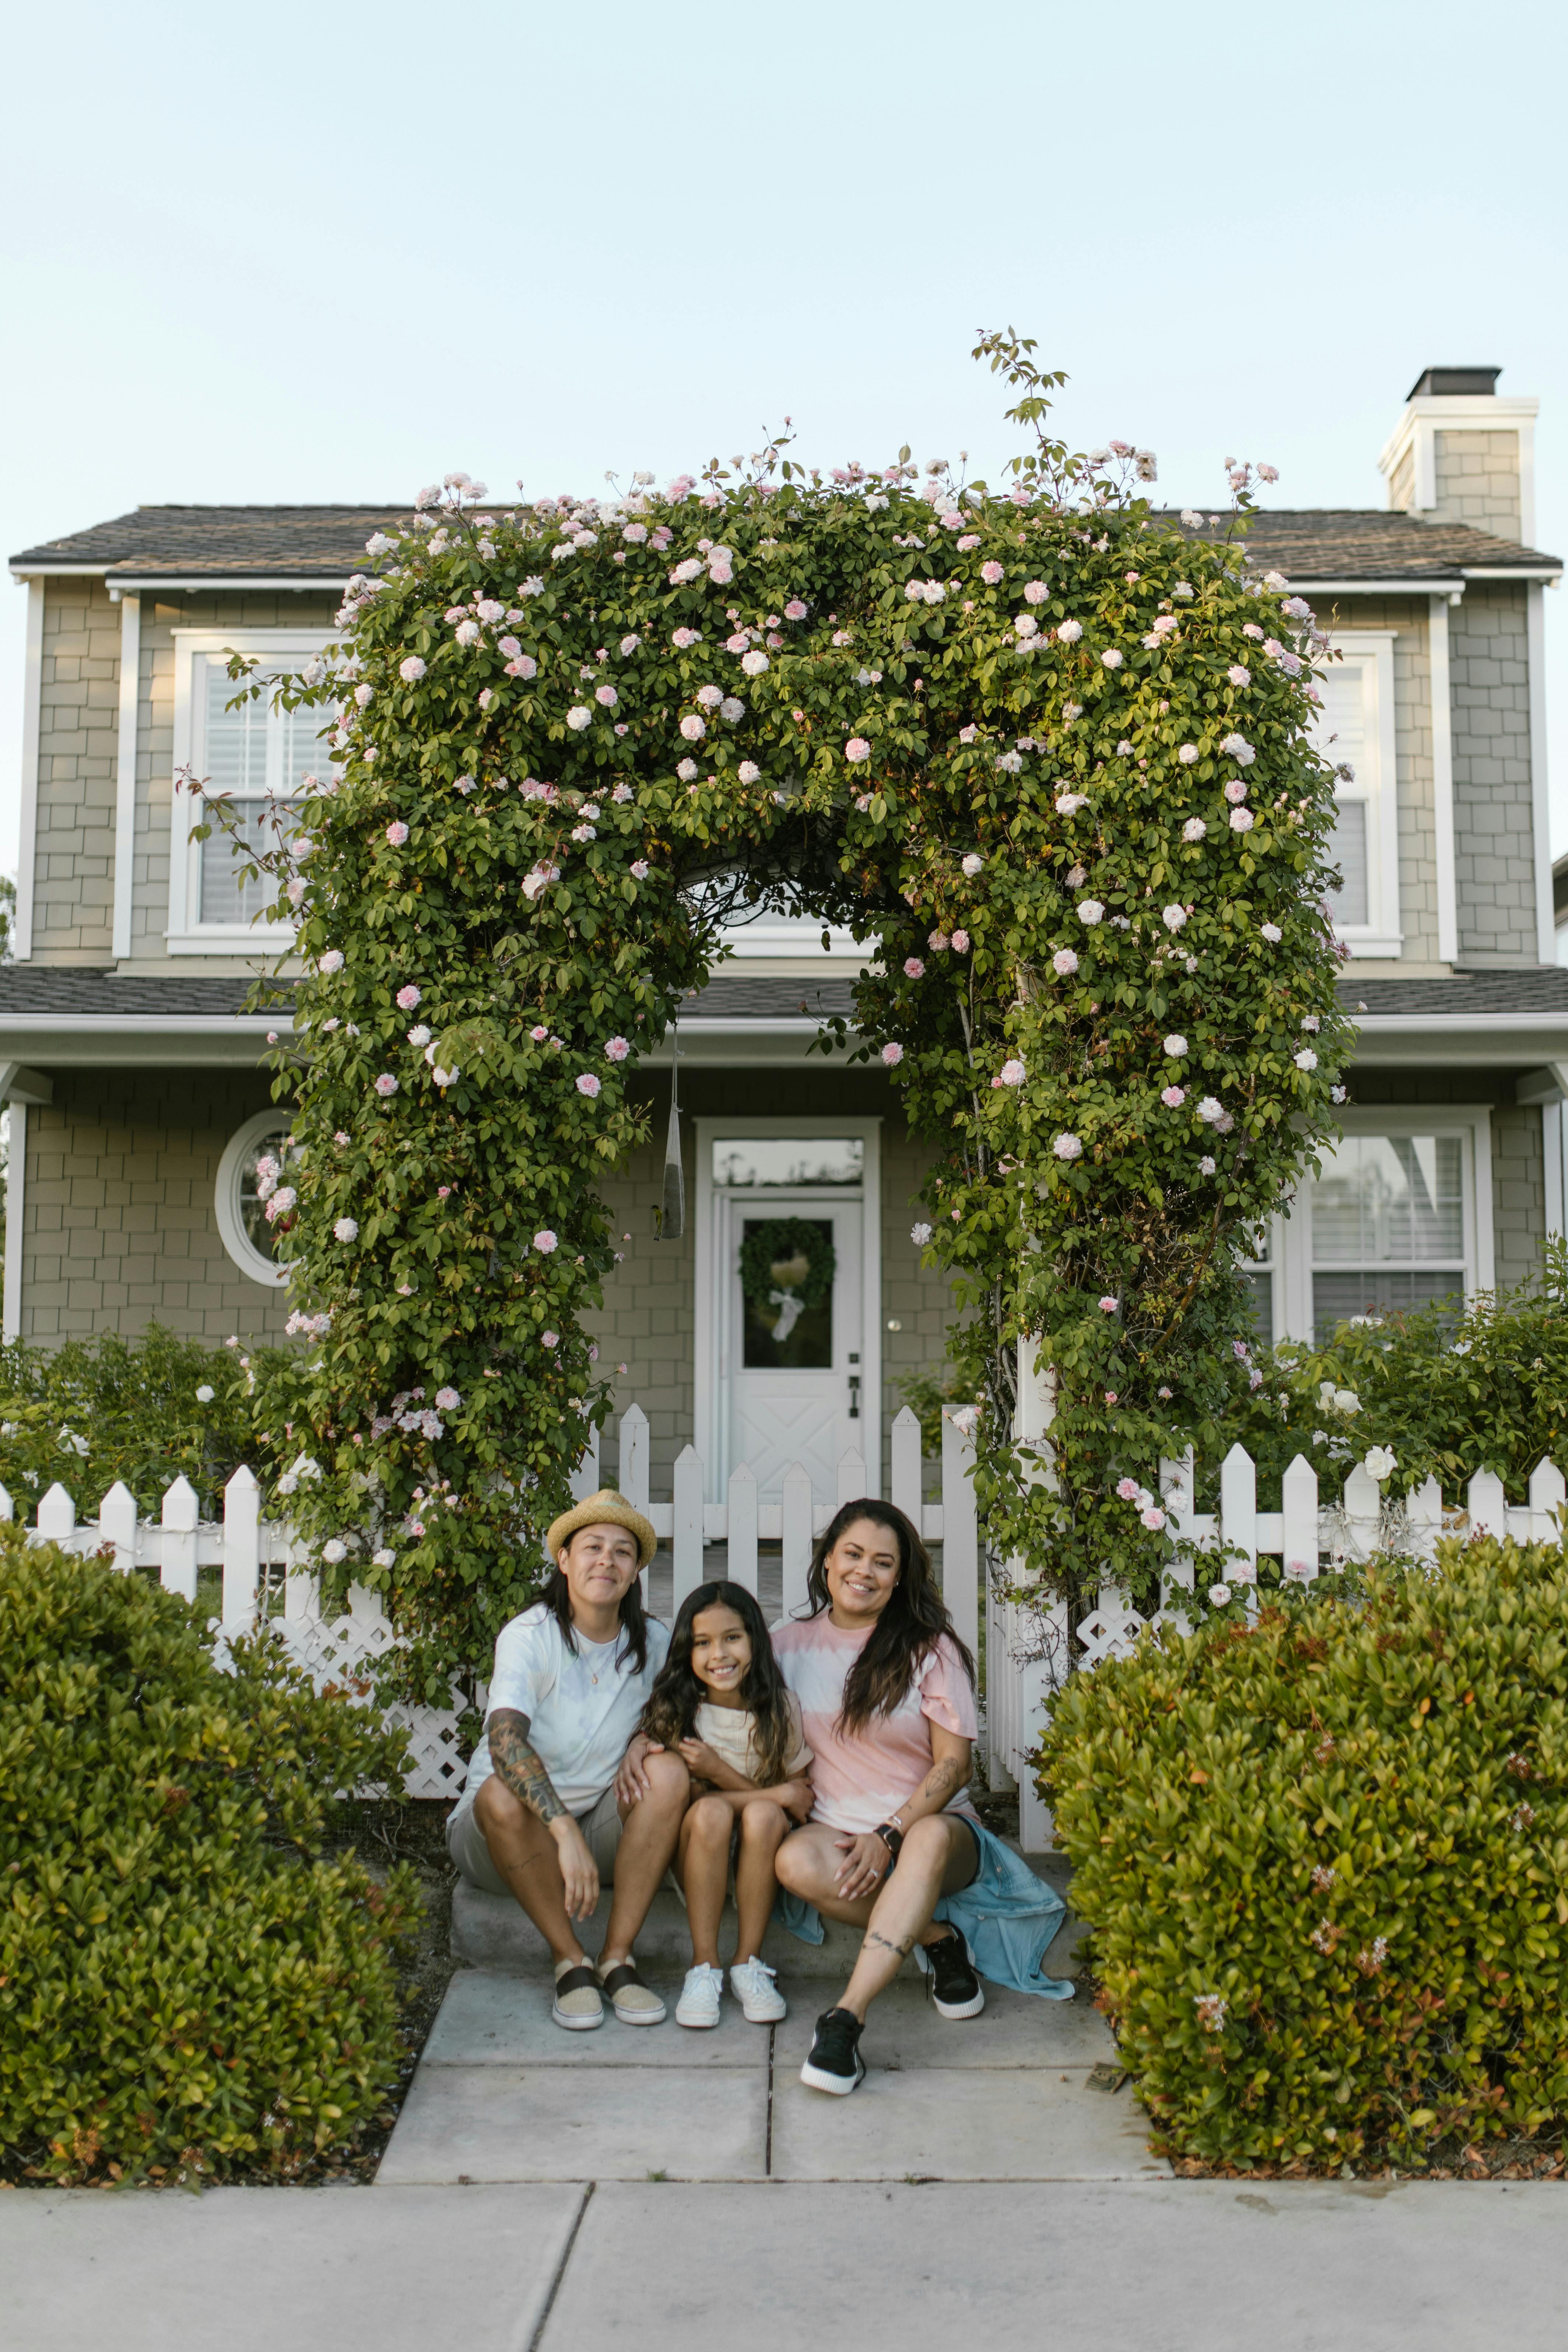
(669,1784)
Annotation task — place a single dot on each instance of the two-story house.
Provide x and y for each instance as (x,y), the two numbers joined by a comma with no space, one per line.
(139,1109)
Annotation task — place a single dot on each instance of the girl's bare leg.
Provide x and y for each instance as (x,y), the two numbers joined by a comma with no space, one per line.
(763,1827)
(703,1858)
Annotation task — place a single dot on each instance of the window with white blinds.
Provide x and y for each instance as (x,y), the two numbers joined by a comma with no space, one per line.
(253,765)
(256,762)
(1354,729)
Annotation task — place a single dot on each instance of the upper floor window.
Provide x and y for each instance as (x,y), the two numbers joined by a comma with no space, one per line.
(256,761)
(1355,728)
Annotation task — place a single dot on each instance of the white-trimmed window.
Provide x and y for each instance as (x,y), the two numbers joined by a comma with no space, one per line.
(255,1242)
(1399,1215)
(256,757)
(1355,725)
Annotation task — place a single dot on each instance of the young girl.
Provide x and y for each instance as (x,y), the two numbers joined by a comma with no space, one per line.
(719,1702)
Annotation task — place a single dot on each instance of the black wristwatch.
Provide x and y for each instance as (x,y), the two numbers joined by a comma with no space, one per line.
(892,1838)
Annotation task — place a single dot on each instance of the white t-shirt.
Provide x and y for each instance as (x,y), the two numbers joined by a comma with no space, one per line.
(581,1707)
(730,1732)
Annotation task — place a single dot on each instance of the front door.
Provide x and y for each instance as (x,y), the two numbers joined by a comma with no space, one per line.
(792,1374)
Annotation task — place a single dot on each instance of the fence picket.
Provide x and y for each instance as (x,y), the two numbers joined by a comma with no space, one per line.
(905,1463)
(1424,1515)
(852,1477)
(181,1512)
(1238,1514)
(585,1477)
(1488,1503)
(56,1515)
(687,1538)
(117,1525)
(743,1528)
(794,1520)
(959,1542)
(241,1546)
(1548,1492)
(1299,1521)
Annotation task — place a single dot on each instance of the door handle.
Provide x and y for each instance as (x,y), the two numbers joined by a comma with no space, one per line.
(854,1396)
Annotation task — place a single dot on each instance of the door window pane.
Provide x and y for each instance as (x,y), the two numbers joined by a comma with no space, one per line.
(780,1334)
(749,1163)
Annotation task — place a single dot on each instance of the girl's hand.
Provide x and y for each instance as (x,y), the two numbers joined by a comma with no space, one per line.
(704,1762)
(865,1864)
(797,1798)
(631,1780)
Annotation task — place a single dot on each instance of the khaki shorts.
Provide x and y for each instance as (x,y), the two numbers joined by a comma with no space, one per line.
(600,1825)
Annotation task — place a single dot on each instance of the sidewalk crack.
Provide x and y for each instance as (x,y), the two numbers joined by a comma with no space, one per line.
(534,2340)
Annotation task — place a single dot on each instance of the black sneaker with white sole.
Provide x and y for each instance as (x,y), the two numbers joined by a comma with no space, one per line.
(954,1987)
(835,2064)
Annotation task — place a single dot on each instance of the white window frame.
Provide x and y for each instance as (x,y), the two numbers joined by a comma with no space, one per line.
(285,648)
(230,1223)
(1291,1251)
(1370,651)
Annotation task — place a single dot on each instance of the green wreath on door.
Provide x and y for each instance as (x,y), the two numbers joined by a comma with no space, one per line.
(775,1248)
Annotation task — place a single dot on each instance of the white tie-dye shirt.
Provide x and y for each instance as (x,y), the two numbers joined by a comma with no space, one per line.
(581,1707)
(860,1777)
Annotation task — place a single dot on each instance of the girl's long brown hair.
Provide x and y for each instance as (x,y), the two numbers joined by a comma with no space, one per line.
(672,1703)
(908,1628)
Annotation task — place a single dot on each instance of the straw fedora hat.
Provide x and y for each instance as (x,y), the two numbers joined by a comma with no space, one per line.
(605,1508)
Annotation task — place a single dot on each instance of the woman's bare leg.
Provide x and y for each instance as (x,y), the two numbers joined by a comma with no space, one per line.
(763,1828)
(937,1858)
(526,1855)
(704,1864)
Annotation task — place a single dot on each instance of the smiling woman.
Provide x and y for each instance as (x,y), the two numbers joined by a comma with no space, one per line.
(887,1697)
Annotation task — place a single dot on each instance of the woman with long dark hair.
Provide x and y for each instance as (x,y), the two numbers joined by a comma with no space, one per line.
(887,1697)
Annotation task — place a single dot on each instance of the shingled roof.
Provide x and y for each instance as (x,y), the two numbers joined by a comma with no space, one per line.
(154,545)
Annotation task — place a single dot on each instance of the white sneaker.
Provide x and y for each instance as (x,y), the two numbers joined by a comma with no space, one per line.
(751,1982)
(699,2002)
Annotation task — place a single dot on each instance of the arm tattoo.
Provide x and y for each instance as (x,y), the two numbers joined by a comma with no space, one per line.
(944,1779)
(903,1947)
(517,1764)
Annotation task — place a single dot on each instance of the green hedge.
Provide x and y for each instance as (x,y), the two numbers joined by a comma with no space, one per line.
(185,1984)
(1325,1861)
(93,1411)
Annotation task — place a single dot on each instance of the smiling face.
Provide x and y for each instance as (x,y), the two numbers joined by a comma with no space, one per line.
(862,1572)
(720,1653)
(599,1564)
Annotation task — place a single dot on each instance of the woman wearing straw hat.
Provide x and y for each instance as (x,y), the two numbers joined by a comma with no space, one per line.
(548,1812)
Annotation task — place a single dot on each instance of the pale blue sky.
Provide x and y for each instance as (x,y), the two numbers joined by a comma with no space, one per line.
(304,253)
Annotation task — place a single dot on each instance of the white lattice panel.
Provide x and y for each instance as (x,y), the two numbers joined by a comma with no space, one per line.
(337,1653)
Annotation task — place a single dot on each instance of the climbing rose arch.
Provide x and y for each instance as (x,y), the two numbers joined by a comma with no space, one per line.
(1043,746)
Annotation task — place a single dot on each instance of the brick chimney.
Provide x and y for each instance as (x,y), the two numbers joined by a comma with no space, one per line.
(1461,454)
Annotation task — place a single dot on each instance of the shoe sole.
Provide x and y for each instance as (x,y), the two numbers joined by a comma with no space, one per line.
(576,2024)
(817,2079)
(960,2009)
(765,2016)
(696,2024)
(642,2016)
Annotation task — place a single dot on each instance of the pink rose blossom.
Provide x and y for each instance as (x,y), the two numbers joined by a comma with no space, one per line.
(694,728)
(544,1242)
(794,610)
(1111,1396)
(1109,1305)
(961,943)
(856,747)
(386,1085)
(397,835)
(1064,963)
(938,942)
(588,1084)
(991,573)
(549,1339)
(892,1055)
(617,1049)
(412,670)
(639,869)
(539,1034)
(1173,1097)
(408,998)
(607,696)
(1154,1518)
(913,967)
(1012,1073)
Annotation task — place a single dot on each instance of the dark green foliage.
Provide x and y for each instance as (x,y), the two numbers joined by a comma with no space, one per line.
(133,1403)
(1325,1859)
(185,1983)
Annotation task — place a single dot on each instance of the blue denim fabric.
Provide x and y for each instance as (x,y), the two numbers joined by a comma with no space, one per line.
(1005,1915)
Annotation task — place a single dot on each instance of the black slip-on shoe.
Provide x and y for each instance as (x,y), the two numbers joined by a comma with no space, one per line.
(954,1987)
(835,2064)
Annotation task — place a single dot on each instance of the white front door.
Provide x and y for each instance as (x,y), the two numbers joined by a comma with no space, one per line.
(791,1376)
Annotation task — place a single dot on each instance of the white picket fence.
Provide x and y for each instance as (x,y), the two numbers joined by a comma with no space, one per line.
(1025,1652)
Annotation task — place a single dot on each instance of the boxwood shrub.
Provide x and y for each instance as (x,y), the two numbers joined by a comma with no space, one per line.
(187,1985)
(1324,1857)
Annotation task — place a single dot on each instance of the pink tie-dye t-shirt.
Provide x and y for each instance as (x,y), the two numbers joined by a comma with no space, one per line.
(861,1777)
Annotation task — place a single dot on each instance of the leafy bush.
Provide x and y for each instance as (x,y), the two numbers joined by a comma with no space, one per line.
(186,1985)
(1448,1391)
(1325,1859)
(97,1409)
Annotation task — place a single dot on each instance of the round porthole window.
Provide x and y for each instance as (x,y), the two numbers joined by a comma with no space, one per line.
(252,1181)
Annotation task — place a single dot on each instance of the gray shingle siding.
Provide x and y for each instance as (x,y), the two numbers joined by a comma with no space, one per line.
(1494,838)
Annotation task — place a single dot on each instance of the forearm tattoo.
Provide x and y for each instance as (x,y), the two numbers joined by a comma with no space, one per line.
(517,1764)
(944,1780)
(903,1947)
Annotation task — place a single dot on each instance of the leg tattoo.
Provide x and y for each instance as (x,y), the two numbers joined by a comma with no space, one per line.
(903,1947)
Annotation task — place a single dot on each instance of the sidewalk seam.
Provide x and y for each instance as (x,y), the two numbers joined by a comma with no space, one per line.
(566,2253)
(768,2138)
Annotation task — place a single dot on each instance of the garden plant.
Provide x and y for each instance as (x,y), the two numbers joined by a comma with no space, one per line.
(1324,1856)
(1042,744)
(187,1987)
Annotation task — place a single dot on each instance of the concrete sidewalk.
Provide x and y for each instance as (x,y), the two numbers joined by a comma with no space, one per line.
(1123,2266)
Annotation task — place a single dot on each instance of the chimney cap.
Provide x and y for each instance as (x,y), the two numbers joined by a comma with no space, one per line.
(1449,381)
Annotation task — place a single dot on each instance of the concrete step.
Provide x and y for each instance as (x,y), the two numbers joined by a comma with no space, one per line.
(490,1931)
